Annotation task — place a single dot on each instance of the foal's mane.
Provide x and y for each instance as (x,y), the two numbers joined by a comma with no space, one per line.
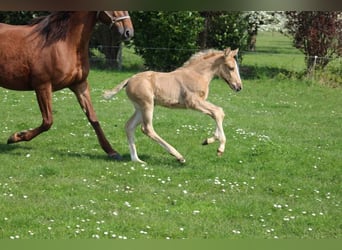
(204,54)
(52,27)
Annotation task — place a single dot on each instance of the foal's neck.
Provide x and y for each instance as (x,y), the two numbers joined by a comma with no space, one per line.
(208,67)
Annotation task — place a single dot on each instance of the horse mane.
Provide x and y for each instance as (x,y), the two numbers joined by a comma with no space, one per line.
(204,54)
(52,27)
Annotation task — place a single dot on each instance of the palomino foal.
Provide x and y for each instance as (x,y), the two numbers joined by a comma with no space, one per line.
(185,87)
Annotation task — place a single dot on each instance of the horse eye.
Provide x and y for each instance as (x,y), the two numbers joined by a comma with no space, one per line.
(229,66)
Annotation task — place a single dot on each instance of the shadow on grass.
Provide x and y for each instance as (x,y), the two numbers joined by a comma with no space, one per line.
(93,156)
(20,149)
(263,72)
(7,148)
(126,158)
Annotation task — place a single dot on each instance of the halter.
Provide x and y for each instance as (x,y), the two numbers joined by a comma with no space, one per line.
(112,18)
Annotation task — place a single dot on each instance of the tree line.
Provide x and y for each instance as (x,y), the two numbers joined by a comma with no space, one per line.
(165,39)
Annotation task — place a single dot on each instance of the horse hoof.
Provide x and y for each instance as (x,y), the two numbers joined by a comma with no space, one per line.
(116,157)
(13,139)
(181,160)
(10,140)
(219,153)
(205,142)
(17,137)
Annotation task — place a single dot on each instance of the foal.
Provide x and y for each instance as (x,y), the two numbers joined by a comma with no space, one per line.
(185,87)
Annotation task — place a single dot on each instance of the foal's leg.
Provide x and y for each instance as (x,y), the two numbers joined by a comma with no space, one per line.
(213,138)
(83,96)
(130,127)
(218,115)
(148,129)
(44,97)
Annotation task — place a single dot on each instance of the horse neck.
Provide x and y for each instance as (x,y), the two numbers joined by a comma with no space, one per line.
(207,67)
(80,29)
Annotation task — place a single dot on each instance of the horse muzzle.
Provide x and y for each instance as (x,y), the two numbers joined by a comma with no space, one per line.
(123,25)
(125,33)
(237,87)
(128,34)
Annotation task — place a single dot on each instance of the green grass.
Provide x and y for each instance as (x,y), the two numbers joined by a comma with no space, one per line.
(280,176)
(274,57)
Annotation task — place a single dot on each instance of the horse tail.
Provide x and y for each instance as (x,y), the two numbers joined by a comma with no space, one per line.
(110,93)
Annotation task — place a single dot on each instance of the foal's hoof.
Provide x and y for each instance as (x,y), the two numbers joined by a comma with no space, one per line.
(181,160)
(205,142)
(219,153)
(116,157)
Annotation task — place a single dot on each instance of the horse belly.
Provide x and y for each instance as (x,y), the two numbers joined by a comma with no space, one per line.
(14,75)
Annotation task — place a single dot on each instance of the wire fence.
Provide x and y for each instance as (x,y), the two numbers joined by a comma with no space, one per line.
(128,59)
(197,50)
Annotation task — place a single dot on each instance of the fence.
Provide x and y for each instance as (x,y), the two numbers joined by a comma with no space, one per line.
(277,62)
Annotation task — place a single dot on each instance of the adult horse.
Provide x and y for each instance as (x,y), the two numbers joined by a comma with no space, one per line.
(185,87)
(51,54)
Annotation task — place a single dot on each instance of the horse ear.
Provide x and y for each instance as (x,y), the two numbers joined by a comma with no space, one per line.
(226,52)
(235,52)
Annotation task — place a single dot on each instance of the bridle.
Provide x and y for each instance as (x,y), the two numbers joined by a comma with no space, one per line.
(112,18)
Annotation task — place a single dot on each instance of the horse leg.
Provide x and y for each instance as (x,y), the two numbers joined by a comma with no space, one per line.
(213,138)
(44,97)
(218,115)
(83,96)
(130,127)
(148,129)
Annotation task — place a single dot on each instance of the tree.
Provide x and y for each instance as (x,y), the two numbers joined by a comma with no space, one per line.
(166,39)
(317,34)
(108,43)
(265,21)
(224,29)
(19,17)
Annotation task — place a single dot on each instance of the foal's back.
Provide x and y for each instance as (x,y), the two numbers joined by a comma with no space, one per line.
(159,88)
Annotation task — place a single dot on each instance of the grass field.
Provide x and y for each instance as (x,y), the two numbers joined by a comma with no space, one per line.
(280,176)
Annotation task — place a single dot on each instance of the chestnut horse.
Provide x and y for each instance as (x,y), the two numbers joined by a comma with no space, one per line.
(50,54)
(185,87)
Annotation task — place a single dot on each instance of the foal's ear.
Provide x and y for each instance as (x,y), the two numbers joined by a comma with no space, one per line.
(231,53)
(226,52)
(235,52)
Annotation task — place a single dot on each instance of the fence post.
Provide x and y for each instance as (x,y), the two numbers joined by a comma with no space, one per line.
(313,67)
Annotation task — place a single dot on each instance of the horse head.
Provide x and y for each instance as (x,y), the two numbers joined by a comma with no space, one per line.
(229,69)
(120,20)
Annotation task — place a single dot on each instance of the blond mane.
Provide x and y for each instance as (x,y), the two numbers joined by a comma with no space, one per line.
(204,54)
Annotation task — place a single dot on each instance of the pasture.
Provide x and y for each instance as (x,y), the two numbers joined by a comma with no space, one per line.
(279,178)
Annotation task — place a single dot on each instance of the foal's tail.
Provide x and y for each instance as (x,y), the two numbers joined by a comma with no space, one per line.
(110,93)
